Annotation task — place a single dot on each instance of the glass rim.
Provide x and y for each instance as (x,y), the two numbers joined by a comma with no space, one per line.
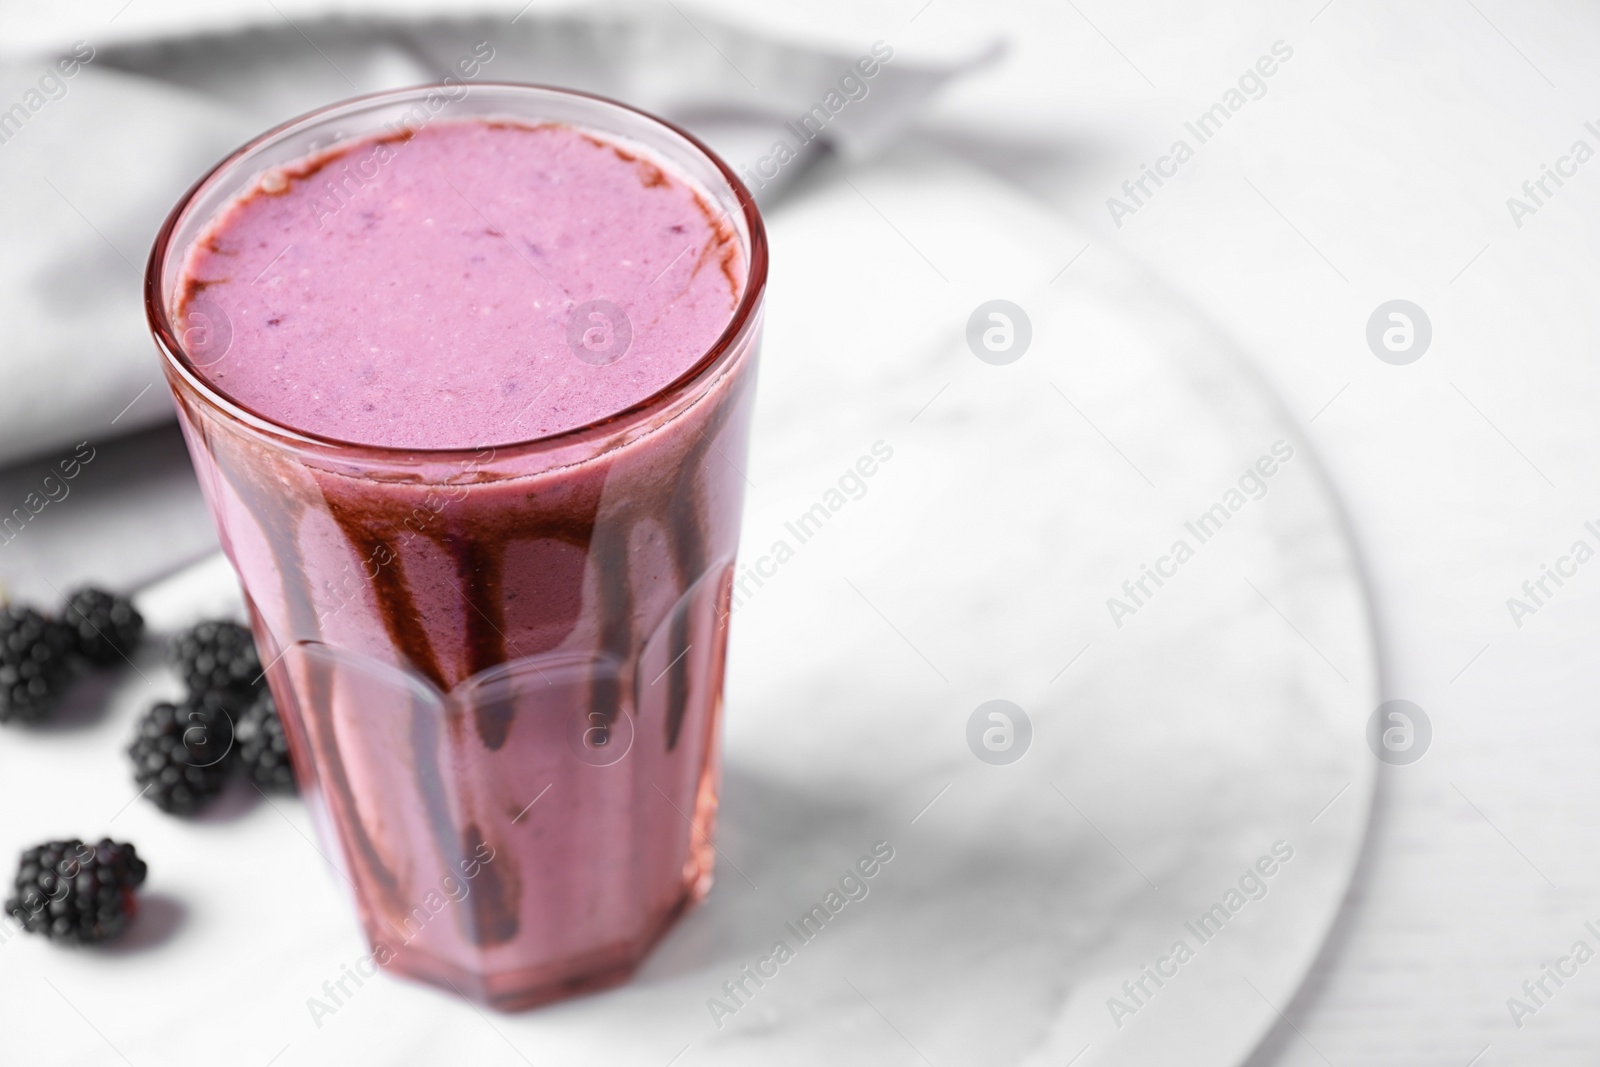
(159,321)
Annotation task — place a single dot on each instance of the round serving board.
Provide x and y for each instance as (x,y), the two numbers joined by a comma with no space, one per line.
(1117,533)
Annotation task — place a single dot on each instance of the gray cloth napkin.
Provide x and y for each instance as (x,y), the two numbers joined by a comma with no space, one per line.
(97,141)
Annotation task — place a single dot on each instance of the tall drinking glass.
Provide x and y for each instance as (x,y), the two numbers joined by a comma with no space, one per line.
(499,669)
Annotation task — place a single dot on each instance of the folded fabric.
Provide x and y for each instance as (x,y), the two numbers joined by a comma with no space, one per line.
(98,141)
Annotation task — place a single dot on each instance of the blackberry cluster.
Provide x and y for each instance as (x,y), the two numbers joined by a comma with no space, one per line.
(77,893)
(180,753)
(67,890)
(39,654)
(184,752)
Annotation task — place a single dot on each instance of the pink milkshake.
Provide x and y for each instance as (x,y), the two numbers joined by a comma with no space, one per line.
(468,397)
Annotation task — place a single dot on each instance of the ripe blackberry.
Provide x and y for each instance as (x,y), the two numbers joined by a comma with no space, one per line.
(105,627)
(78,893)
(263,750)
(180,753)
(34,664)
(217,654)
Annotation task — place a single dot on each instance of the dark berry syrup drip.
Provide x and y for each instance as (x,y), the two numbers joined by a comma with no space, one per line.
(311,713)
(493,918)
(474,532)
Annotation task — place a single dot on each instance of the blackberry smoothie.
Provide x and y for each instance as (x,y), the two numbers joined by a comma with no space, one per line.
(468,399)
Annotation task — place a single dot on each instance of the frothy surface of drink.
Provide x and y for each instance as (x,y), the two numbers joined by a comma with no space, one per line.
(472,284)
